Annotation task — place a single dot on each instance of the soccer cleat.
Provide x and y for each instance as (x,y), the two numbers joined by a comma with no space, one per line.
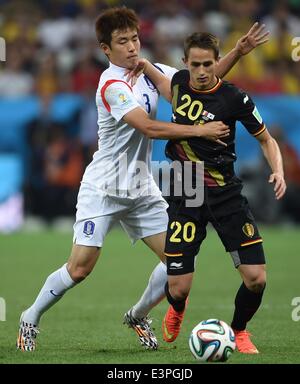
(171,324)
(27,335)
(243,342)
(142,329)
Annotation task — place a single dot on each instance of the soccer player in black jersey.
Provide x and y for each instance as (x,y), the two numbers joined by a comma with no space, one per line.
(199,96)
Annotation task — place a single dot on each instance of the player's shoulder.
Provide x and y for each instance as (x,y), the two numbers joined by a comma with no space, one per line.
(166,69)
(110,75)
(181,77)
(232,91)
(230,88)
(112,83)
(112,88)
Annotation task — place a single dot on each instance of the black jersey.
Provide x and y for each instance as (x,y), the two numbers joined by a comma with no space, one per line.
(224,102)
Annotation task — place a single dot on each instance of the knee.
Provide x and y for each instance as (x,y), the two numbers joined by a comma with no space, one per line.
(82,262)
(78,273)
(256,283)
(179,291)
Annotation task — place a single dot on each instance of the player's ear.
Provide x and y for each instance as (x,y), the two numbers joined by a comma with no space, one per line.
(184,59)
(105,48)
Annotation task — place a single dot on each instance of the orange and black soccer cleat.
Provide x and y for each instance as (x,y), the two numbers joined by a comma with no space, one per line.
(243,342)
(171,324)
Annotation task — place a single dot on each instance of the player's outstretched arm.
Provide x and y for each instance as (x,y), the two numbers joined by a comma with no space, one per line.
(162,83)
(256,36)
(139,119)
(272,154)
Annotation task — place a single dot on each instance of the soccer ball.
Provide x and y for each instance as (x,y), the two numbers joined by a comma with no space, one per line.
(212,340)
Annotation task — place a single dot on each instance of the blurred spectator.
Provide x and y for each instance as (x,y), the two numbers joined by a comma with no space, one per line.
(250,68)
(165,52)
(55,33)
(62,159)
(291,163)
(88,134)
(14,81)
(261,194)
(279,78)
(56,171)
(66,28)
(85,79)
(283,27)
(281,18)
(47,78)
(174,21)
(19,22)
(86,76)
(83,24)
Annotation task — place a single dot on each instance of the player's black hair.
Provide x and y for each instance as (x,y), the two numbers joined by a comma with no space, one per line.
(117,18)
(202,40)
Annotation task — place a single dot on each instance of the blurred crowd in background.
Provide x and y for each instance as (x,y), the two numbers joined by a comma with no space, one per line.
(51,49)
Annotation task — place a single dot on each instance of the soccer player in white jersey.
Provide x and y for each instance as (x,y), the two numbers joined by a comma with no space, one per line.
(106,196)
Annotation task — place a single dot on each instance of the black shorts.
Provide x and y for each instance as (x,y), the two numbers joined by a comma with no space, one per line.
(229,213)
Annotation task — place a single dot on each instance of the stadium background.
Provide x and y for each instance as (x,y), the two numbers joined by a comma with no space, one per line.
(48,133)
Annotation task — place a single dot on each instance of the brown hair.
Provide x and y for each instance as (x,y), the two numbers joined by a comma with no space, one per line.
(117,18)
(202,40)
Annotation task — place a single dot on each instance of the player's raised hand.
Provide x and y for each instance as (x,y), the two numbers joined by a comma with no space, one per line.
(215,131)
(280,185)
(256,36)
(134,74)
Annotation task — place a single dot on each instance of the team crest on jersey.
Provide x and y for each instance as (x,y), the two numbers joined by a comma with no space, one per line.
(89,228)
(248,230)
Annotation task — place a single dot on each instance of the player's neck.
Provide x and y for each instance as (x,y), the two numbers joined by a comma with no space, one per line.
(208,88)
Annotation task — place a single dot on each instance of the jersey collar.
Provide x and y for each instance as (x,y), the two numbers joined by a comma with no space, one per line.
(116,68)
(210,90)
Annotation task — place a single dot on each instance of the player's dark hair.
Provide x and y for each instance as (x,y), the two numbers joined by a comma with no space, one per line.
(117,18)
(202,40)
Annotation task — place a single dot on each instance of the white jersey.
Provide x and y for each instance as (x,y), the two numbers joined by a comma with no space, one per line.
(122,149)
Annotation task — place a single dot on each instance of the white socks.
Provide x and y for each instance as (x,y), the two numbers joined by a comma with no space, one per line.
(60,281)
(54,288)
(154,292)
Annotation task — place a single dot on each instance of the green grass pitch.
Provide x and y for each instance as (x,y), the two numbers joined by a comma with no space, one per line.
(86,325)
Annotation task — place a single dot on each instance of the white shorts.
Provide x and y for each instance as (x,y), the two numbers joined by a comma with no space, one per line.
(97,213)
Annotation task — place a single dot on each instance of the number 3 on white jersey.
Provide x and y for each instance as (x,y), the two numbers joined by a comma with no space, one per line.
(147,102)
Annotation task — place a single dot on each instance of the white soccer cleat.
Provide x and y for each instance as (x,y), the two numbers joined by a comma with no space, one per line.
(27,335)
(142,329)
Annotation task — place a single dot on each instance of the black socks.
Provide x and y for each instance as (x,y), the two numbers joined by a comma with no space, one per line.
(178,305)
(246,304)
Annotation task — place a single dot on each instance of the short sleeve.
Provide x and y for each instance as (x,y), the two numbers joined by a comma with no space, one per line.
(247,113)
(166,70)
(118,98)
